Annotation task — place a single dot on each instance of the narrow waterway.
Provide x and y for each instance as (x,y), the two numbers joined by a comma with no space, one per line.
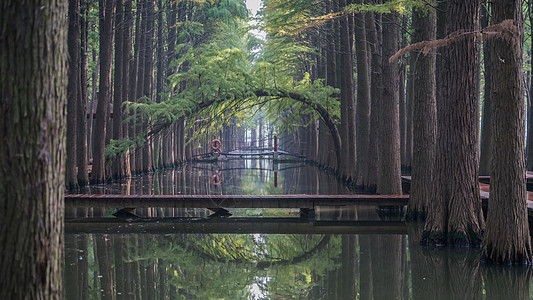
(172,253)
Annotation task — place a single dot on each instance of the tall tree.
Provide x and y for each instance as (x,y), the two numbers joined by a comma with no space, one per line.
(107,12)
(373,22)
(363,99)
(33,68)
(346,83)
(424,115)
(72,90)
(507,237)
(389,167)
(127,61)
(118,166)
(455,216)
(148,155)
(81,120)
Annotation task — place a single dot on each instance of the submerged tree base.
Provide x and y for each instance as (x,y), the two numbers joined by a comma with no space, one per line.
(454,239)
(493,255)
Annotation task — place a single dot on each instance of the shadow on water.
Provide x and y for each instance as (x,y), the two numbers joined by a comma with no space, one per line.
(172,264)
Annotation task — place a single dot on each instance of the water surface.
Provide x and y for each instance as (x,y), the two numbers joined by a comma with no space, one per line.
(188,255)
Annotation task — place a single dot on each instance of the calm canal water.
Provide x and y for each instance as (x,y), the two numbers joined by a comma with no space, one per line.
(341,253)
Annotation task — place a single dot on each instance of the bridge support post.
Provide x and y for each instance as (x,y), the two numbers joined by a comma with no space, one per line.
(275,148)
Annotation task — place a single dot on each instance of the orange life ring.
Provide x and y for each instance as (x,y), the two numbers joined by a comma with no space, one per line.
(216,145)
(215,179)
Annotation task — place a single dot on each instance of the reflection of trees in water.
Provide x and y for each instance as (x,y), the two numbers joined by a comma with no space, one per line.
(507,282)
(443,273)
(200,266)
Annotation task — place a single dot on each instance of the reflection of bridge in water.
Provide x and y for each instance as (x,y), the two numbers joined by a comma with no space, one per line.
(174,225)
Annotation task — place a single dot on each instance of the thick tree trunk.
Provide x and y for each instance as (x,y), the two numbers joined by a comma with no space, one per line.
(107,12)
(455,216)
(363,100)
(424,117)
(33,90)
(507,237)
(71,176)
(389,182)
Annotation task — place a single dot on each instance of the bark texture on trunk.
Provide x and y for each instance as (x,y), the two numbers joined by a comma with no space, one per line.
(107,11)
(507,237)
(81,121)
(71,176)
(389,182)
(363,99)
(424,117)
(374,40)
(33,90)
(347,168)
(455,216)
(118,169)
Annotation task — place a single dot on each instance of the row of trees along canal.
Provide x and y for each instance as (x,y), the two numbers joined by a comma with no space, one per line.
(187,68)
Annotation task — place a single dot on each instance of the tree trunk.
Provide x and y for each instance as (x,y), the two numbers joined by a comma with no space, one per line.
(389,182)
(81,120)
(118,162)
(140,49)
(126,62)
(71,178)
(507,237)
(33,89)
(486,136)
(107,11)
(374,40)
(347,168)
(94,101)
(148,154)
(160,80)
(424,117)
(363,100)
(455,215)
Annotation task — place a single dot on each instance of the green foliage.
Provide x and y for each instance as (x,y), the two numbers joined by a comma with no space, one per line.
(399,6)
(216,80)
